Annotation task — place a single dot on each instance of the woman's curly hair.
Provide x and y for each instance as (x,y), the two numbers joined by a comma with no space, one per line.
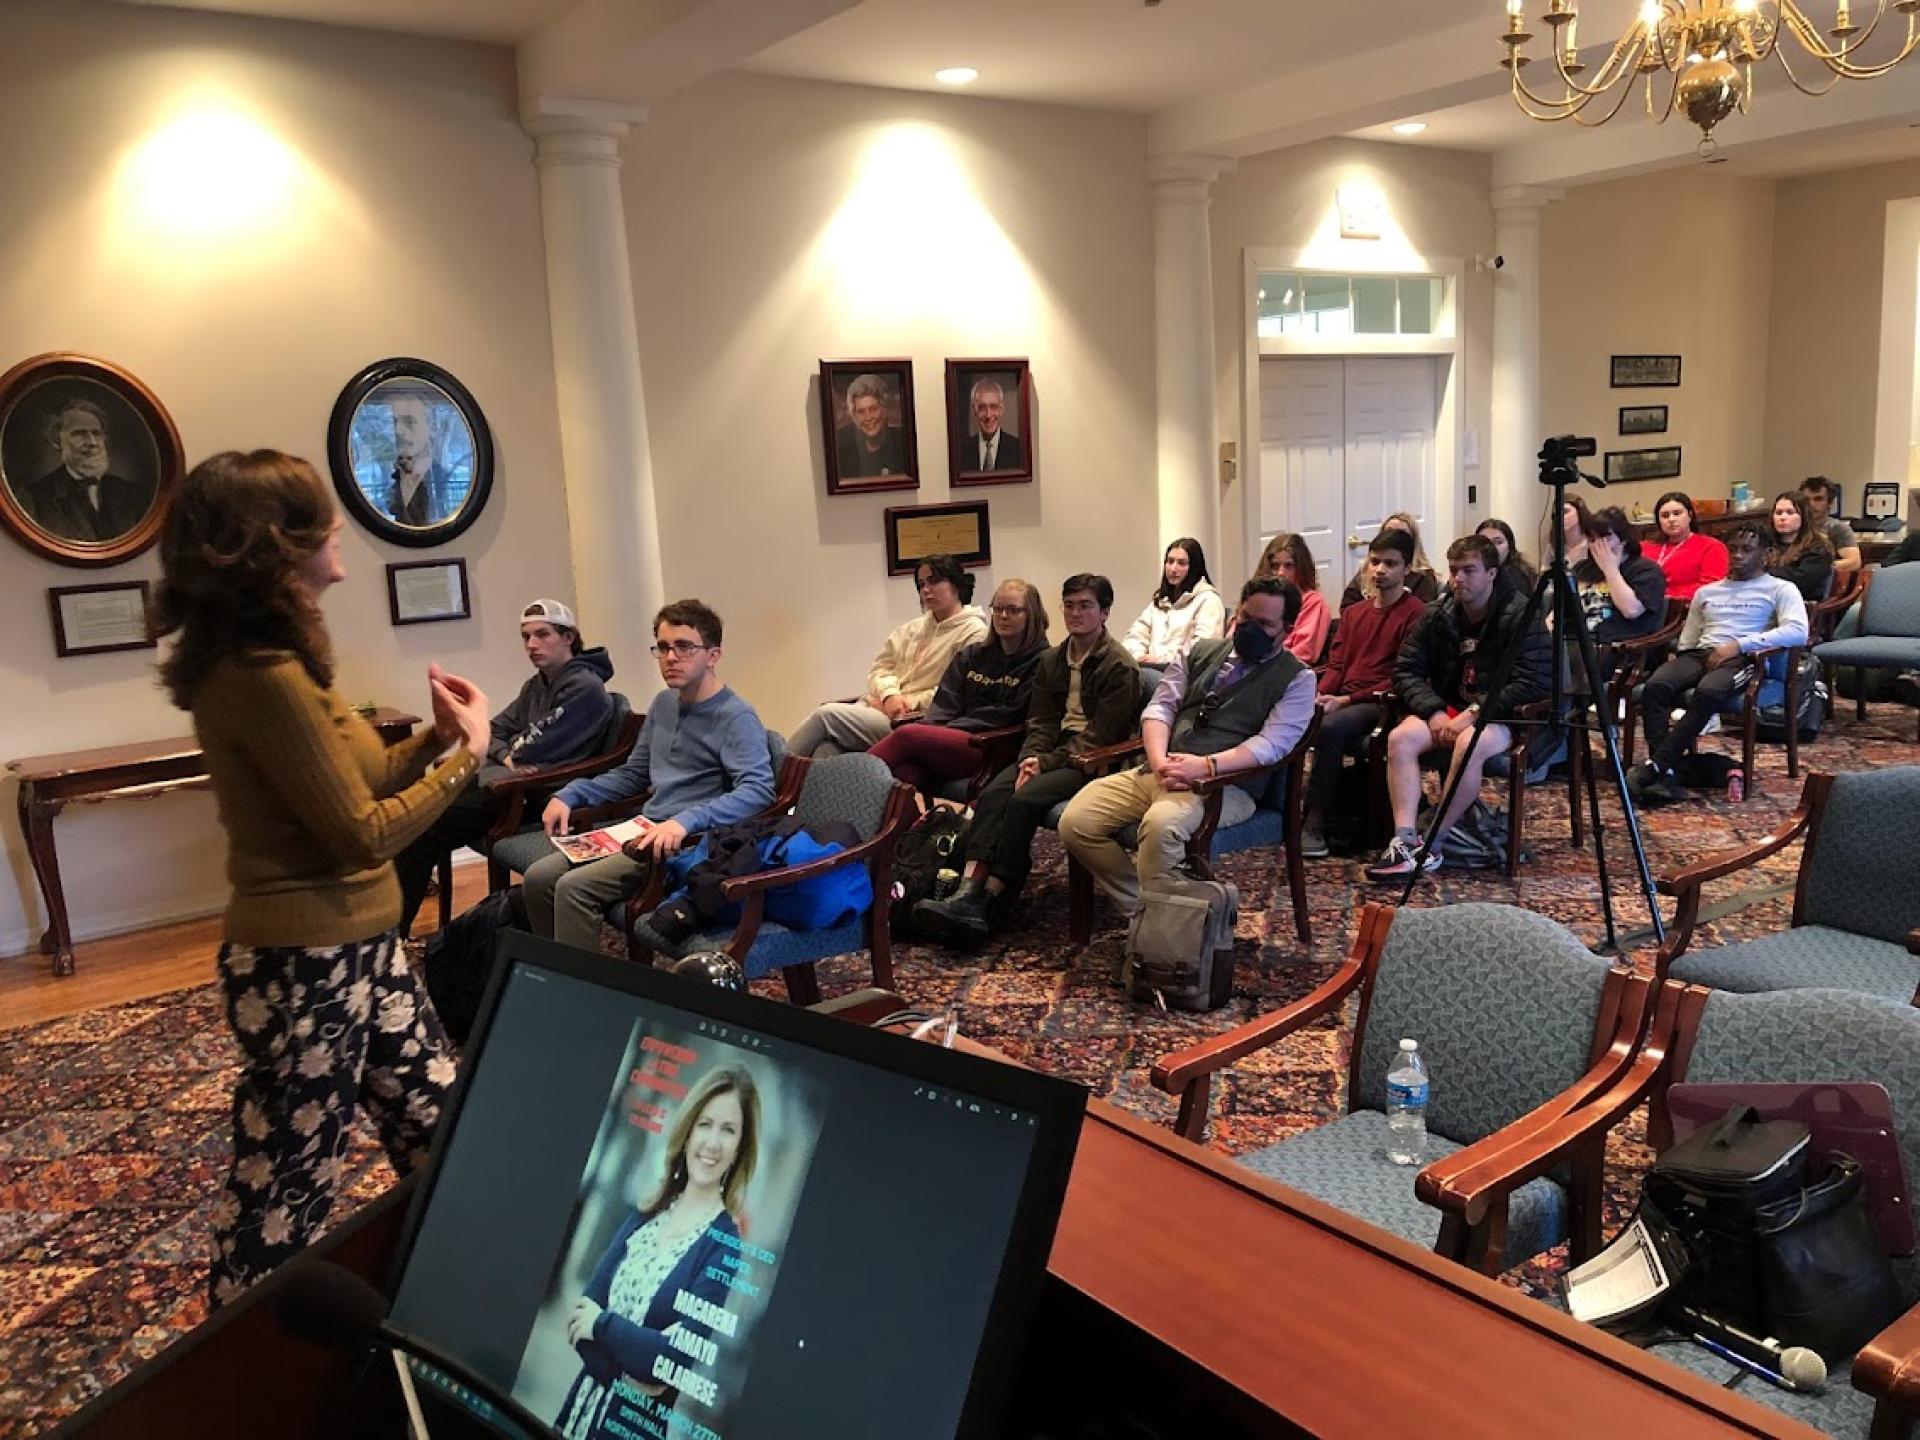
(230,557)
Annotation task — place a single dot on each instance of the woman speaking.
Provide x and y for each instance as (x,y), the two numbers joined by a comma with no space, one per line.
(315,808)
(674,1242)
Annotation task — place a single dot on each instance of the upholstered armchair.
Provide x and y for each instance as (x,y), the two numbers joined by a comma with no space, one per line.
(1888,633)
(1790,1036)
(856,789)
(1856,899)
(1510,1010)
(1277,817)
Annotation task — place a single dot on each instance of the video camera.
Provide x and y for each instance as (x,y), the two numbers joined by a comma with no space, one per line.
(1558,456)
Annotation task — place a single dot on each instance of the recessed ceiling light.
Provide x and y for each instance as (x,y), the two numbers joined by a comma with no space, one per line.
(1410,127)
(957,75)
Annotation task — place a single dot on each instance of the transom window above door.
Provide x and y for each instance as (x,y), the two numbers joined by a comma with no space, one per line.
(1306,303)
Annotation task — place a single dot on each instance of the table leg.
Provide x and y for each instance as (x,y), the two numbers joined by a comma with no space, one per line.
(36,824)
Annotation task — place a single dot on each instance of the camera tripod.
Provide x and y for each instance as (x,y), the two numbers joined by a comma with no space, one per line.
(1555,589)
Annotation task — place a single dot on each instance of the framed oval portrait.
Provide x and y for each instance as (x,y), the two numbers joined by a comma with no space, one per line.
(89,459)
(410,451)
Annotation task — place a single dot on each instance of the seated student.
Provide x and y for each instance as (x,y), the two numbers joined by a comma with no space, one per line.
(1905,553)
(1686,557)
(1515,568)
(1622,593)
(986,686)
(1798,549)
(908,668)
(1576,521)
(1086,695)
(1749,610)
(1421,580)
(1184,609)
(1228,706)
(1442,675)
(1846,545)
(559,715)
(1288,558)
(701,761)
(1359,676)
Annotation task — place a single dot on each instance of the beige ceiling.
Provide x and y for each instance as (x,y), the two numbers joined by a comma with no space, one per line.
(1110,54)
(504,21)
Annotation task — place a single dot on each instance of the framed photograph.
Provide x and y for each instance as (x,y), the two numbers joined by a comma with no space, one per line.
(1634,372)
(94,619)
(411,454)
(1660,464)
(1643,419)
(422,590)
(990,421)
(958,529)
(866,409)
(89,460)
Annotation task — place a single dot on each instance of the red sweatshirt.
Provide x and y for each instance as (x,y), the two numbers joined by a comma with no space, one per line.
(1366,645)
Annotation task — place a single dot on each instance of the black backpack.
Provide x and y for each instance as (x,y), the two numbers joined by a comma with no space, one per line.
(935,843)
(1770,717)
(459,959)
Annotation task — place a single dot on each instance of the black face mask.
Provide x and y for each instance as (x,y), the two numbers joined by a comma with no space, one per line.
(1251,643)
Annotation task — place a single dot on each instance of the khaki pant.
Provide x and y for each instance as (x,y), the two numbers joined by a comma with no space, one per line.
(567,901)
(1167,819)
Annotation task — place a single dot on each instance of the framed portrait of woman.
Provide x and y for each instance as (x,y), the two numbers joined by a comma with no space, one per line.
(411,454)
(867,425)
(89,459)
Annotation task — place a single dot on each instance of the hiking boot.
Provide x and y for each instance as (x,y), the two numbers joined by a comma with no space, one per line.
(1313,845)
(961,918)
(1662,789)
(1399,860)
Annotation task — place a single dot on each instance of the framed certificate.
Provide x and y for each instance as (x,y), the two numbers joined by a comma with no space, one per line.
(94,619)
(917,531)
(419,591)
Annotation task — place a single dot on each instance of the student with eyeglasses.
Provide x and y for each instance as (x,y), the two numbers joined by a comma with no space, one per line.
(907,670)
(701,761)
(986,686)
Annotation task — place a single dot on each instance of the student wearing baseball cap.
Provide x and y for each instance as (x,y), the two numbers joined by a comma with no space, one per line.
(560,715)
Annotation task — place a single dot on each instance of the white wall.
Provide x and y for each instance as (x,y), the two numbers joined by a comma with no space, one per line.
(390,209)
(1675,263)
(1435,205)
(774,223)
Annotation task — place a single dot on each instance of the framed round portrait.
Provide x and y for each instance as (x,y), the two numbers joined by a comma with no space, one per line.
(89,460)
(410,451)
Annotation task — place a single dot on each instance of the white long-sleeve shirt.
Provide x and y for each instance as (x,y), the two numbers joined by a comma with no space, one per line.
(915,656)
(1165,633)
(1764,613)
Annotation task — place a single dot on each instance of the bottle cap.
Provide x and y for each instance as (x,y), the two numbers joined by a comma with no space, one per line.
(1409,1044)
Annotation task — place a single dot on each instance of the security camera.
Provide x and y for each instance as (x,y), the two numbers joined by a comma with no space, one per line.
(1485,262)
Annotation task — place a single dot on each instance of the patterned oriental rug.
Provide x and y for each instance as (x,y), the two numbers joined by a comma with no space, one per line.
(113,1124)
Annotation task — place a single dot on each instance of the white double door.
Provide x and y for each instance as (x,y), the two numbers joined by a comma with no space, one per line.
(1344,443)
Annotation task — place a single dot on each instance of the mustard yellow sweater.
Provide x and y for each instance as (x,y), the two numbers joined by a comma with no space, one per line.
(315,806)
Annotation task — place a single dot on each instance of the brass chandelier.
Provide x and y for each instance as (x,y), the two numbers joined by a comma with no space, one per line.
(1705,52)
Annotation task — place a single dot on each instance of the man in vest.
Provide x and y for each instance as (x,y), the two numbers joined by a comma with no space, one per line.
(1228,706)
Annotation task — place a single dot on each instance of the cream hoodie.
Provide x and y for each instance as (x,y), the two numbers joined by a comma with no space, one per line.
(1163,634)
(915,656)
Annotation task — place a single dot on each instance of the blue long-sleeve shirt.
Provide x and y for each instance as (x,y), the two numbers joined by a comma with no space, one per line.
(706,765)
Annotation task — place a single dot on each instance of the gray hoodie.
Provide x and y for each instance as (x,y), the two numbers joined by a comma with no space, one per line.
(551,722)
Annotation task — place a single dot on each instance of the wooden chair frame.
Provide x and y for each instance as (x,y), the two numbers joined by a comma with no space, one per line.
(1474,1216)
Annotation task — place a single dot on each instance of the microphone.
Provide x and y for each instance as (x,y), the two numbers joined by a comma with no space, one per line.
(1793,1367)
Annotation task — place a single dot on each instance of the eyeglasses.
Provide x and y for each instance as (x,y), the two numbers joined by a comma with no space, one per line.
(682,648)
(1014,611)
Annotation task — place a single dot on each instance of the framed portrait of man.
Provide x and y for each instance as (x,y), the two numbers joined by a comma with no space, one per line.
(867,425)
(990,421)
(411,453)
(89,459)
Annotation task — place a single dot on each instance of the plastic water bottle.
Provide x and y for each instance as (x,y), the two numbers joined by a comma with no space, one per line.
(1407,1106)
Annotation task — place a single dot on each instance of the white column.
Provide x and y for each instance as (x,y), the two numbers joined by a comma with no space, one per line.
(1189,491)
(1514,494)
(612,524)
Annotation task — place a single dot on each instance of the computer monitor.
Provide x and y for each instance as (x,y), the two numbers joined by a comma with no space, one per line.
(665,1211)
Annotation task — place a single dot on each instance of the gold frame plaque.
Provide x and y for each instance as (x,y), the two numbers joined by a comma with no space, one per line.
(959,529)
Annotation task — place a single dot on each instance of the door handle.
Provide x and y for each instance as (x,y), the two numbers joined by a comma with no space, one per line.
(1355,540)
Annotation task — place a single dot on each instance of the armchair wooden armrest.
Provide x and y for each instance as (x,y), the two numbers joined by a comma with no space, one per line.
(592,817)
(1685,885)
(1913,941)
(908,717)
(1888,1369)
(999,735)
(1207,789)
(1097,761)
(1188,1073)
(1572,1127)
